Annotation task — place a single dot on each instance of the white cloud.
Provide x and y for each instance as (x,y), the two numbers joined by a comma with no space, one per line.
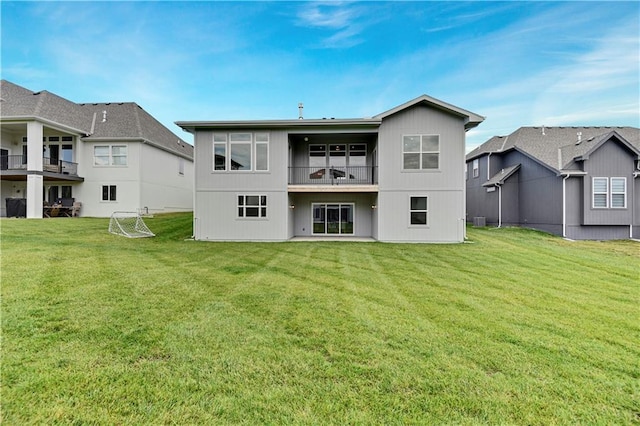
(333,15)
(601,85)
(344,21)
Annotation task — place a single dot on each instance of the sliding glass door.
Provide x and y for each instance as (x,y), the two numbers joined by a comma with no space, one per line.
(333,219)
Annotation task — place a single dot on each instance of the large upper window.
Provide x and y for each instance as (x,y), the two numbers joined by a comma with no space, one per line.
(476,166)
(219,151)
(339,155)
(418,211)
(241,151)
(262,151)
(110,155)
(420,152)
(609,192)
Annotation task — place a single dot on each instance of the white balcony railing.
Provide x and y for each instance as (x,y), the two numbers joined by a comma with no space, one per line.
(350,175)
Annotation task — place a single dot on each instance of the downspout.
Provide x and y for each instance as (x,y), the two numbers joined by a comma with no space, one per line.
(633,204)
(499,205)
(564,206)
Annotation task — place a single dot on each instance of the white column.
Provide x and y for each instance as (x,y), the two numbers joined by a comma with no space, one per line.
(34,170)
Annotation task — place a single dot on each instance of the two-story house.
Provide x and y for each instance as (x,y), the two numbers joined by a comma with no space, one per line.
(397,176)
(575,182)
(106,156)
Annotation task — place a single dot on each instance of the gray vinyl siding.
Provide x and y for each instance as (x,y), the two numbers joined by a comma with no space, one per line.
(421,120)
(598,232)
(481,203)
(540,194)
(444,225)
(444,187)
(610,160)
(635,184)
(531,197)
(216,192)
(275,179)
(217,218)
(511,200)
(573,199)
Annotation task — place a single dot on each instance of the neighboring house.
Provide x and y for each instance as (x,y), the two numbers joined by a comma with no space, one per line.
(106,156)
(397,176)
(576,182)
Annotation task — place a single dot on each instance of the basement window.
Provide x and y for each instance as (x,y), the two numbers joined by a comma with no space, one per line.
(418,211)
(250,206)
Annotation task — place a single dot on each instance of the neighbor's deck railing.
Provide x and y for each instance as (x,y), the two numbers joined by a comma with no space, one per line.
(19,162)
(350,175)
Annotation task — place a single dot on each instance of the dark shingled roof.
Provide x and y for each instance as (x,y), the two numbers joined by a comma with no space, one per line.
(558,147)
(126,120)
(501,176)
(20,102)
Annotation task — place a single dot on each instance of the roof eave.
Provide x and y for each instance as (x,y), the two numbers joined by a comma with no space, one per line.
(605,139)
(471,156)
(192,126)
(503,178)
(472,120)
(537,160)
(137,139)
(49,123)
(169,150)
(113,138)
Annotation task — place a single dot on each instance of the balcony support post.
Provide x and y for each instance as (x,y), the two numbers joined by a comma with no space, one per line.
(35,178)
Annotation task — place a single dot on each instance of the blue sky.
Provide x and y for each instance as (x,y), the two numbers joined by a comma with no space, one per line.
(516,63)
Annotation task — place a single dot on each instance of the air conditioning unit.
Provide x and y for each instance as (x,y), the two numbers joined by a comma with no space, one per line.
(480,221)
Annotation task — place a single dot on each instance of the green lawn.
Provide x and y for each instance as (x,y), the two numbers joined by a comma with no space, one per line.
(514,327)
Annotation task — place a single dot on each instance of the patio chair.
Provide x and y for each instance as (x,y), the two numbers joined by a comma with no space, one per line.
(75,210)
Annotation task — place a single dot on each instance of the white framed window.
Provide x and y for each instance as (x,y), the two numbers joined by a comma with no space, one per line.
(317,155)
(476,168)
(262,151)
(357,155)
(421,152)
(119,155)
(241,152)
(609,192)
(618,193)
(338,155)
(252,206)
(108,193)
(110,155)
(101,155)
(219,151)
(600,190)
(181,166)
(418,211)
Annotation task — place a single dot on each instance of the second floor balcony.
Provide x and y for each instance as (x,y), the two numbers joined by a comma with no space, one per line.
(14,167)
(347,175)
